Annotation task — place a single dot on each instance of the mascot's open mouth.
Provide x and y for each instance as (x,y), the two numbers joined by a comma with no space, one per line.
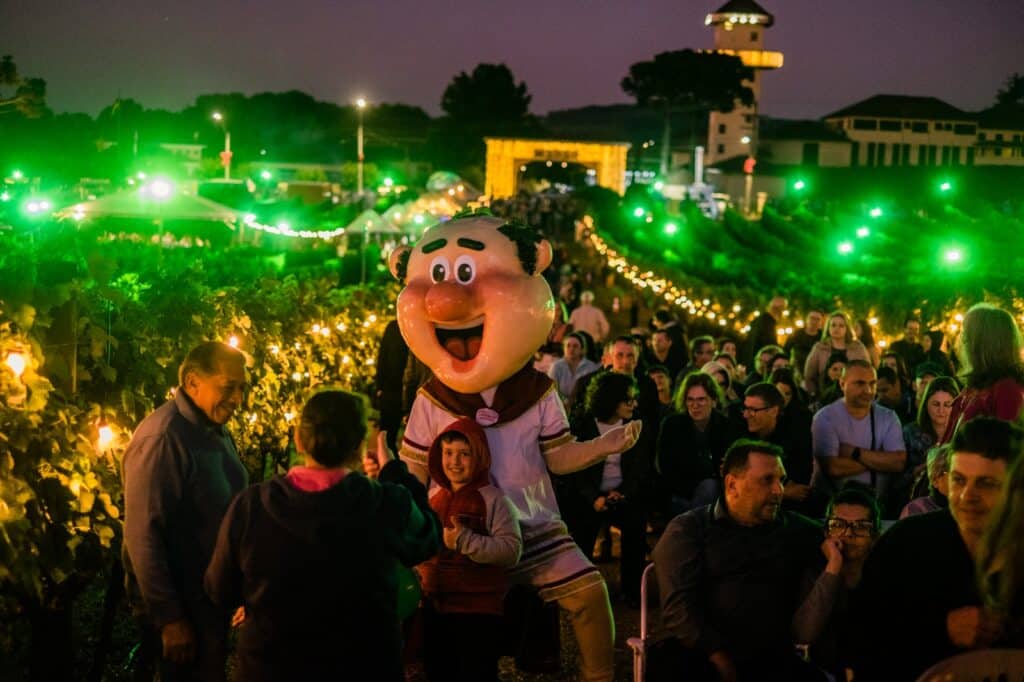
(463,343)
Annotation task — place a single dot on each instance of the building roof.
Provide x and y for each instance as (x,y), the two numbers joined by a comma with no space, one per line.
(1002,117)
(786,129)
(903,106)
(131,204)
(734,7)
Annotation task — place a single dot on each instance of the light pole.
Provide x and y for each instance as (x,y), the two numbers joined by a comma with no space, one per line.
(360,105)
(225,156)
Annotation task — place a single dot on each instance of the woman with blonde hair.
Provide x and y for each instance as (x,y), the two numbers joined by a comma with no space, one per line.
(836,337)
(991,369)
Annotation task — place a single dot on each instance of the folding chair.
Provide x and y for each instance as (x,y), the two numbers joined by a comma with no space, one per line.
(639,644)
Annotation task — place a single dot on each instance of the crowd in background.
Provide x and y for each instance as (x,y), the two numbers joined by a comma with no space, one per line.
(765,486)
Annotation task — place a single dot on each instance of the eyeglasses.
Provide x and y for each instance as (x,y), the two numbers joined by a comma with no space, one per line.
(855,528)
(755,410)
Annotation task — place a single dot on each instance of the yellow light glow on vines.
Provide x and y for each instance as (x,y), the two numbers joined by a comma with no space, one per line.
(105,436)
(345,360)
(958,317)
(16,362)
(325,331)
(274,350)
(289,416)
(873,321)
(297,376)
(233,341)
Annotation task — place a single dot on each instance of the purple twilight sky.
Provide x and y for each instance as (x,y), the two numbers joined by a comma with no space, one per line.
(569,52)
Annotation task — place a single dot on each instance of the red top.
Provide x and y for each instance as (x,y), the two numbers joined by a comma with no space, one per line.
(1002,400)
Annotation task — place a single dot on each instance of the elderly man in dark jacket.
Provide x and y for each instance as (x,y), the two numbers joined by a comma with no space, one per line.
(181,470)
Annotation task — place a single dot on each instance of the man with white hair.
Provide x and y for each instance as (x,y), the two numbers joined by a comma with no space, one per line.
(589,318)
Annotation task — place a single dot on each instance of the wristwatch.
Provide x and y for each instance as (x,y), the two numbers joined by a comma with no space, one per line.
(855,455)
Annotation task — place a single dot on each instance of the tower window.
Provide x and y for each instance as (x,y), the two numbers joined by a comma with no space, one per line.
(753,36)
(721,128)
(721,149)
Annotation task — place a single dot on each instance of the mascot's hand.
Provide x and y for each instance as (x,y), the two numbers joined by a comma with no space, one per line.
(621,438)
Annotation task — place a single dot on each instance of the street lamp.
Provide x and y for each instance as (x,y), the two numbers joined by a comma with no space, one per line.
(360,105)
(225,156)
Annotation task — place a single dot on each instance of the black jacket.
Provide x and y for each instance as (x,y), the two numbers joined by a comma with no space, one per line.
(316,572)
(687,456)
(917,572)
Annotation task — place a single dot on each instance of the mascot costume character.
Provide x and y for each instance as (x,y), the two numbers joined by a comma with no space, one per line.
(474,310)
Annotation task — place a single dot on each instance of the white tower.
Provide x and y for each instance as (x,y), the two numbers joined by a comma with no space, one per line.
(739,27)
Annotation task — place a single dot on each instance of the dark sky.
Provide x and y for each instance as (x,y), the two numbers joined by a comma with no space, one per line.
(569,52)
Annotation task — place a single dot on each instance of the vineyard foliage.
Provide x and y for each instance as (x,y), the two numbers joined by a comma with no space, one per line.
(91,334)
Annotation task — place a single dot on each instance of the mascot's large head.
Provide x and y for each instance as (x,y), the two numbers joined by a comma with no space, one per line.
(474,307)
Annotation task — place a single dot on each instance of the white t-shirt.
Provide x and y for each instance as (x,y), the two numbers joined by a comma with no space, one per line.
(611,475)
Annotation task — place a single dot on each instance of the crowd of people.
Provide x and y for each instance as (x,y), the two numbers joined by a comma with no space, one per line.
(767,499)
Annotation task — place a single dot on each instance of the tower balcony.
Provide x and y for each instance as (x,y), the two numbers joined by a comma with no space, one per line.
(755,59)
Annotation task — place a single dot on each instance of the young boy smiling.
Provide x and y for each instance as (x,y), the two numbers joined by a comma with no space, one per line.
(464,586)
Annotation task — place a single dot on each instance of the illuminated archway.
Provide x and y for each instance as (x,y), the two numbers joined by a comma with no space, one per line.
(506,156)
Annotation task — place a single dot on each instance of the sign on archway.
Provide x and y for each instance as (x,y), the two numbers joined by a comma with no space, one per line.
(507,157)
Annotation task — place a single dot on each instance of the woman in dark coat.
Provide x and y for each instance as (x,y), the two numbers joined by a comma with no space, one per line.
(692,442)
(617,490)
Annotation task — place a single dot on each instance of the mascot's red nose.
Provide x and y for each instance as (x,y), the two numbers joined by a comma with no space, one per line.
(449,302)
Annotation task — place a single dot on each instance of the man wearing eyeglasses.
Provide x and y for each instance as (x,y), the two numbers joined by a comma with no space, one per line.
(919,596)
(856,439)
(762,412)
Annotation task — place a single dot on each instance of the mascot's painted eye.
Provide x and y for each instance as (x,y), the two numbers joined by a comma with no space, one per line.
(465,269)
(439,269)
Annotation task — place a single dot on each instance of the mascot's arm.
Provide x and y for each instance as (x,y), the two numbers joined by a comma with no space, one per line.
(574,455)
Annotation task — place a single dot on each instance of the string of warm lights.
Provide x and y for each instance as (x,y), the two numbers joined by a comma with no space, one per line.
(724,314)
(731,315)
(283,229)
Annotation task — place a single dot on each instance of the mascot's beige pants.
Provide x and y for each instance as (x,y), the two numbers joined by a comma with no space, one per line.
(590,613)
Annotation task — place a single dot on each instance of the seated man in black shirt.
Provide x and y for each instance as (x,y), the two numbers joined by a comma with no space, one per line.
(919,602)
(732,577)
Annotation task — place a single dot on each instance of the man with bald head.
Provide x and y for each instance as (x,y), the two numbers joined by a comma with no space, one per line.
(181,470)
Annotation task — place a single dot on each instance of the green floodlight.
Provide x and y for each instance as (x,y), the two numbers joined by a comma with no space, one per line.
(953,256)
(388,182)
(658,186)
(266,175)
(876,212)
(799,185)
(945,186)
(638,212)
(157,189)
(845,248)
(671,228)
(418,219)
(5,196)
(17,174)
(35,207)
(863,232)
